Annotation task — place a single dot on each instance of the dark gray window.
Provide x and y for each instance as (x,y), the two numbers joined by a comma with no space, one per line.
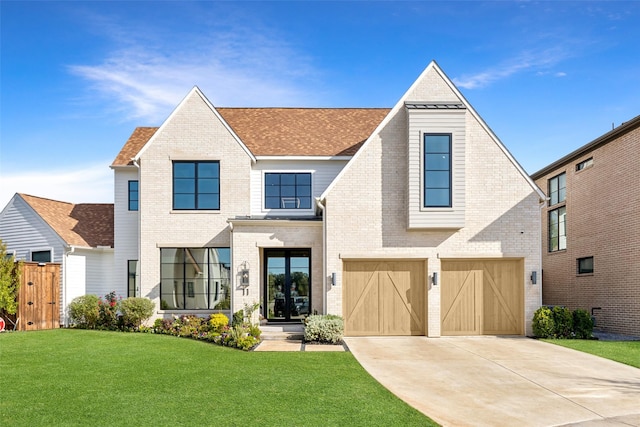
(584,164)
(287,190)
(585,265)
(558,229)
(41,256)
(196,185)
(133,195)
(437,170)
(195,278)
(558,189)
(132,266)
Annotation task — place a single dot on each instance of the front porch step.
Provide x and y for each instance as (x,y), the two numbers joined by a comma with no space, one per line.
(283,331)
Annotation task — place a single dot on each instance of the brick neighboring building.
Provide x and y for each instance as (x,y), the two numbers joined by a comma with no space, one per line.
(591,229)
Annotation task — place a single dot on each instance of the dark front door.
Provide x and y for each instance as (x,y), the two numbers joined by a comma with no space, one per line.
(288,284)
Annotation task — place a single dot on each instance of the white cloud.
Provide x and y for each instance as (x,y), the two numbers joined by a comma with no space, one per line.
(75,184)
(526,61)
(236,68)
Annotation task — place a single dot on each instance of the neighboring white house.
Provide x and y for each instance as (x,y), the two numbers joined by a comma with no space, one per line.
(414,220)
(78,236)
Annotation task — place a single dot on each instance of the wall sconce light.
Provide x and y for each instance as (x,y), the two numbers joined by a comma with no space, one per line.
(244,274)
(333,279)
(434,279)
(534,277)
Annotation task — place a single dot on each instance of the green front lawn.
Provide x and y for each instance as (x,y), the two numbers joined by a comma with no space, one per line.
(627,352)
(80,377)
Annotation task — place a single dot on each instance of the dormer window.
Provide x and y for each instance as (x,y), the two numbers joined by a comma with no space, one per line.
(287,190)
(437,170)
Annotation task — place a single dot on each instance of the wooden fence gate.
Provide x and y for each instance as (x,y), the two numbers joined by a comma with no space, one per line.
(39,297)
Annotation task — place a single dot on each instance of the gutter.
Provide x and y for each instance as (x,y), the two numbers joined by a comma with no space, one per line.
(322,207)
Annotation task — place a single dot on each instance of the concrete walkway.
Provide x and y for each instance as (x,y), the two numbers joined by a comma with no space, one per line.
(502,381)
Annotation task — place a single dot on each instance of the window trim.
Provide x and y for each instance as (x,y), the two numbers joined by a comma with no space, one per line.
(130,193)
(585,273)
(286,172)
(196,193)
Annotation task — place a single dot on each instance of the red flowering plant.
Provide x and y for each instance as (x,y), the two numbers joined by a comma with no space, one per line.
(108,311)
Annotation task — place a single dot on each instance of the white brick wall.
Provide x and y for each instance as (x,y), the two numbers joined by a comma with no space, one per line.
(367,209)
(193,132)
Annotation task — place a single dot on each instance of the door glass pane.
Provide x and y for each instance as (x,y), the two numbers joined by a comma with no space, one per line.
(299,272)
(275,287)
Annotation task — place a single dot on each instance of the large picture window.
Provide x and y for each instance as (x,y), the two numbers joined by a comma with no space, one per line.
(558,229)
(195,278)
(196,185)
(558,189)
(437,170)
(287,190)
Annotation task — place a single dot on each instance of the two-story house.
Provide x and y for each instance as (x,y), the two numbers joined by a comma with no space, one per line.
(591,229)
(414,220)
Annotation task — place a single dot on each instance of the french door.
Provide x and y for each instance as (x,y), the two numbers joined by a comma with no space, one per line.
(288,284)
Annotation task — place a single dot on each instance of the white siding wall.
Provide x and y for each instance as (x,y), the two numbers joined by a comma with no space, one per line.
(322,174)
(127,227)
(434,121)
(75,283)
(24,231)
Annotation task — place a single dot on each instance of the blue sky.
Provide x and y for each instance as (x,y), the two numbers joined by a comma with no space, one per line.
(78,76)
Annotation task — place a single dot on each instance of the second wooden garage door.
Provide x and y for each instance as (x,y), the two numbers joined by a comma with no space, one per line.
(384,297)
(482,297)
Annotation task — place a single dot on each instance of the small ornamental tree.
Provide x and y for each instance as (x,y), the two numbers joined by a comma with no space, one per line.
(9,282)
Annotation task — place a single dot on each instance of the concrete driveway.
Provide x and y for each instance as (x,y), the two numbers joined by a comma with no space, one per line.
(502,381)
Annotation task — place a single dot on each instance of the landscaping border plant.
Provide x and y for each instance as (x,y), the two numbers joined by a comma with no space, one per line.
(560,322)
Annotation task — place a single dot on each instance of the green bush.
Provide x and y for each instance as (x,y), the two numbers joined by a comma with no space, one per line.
(560,322)
(324,329)
(543,324)
(563,319)
(84,311)
(108,311)
(582,324)
(135,311)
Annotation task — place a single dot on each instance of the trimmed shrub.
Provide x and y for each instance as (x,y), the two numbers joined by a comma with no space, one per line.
(135,311)
(84,311)
(582,324)
(543,324)
(324,329)
(563,319)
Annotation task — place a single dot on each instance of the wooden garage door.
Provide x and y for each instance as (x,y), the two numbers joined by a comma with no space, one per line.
(384,297)
(482,297)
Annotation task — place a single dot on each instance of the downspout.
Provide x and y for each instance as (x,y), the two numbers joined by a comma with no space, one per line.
(65,271)
(324,255)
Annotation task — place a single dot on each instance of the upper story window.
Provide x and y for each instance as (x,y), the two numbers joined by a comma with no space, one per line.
(133,195)
(584,164)
(437,170)
(196,185)
(558,189)
(41,256)
(558,229)
(287,190)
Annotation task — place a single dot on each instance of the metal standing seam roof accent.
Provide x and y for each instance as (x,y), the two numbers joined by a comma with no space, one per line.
(83,224)
(285,131)
(434,106)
